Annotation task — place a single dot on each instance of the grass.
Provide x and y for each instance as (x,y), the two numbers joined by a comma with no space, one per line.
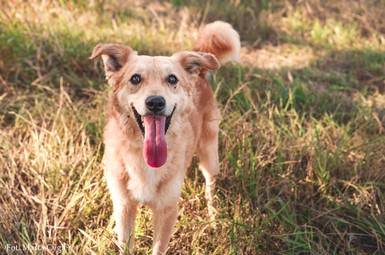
(301,144)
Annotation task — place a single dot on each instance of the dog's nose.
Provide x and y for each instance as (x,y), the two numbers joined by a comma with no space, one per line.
(155,103)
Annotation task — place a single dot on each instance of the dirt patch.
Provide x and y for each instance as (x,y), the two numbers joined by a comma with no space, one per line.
(276,57)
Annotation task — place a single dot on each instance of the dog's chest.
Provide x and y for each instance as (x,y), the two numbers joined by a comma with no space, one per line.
(143,183)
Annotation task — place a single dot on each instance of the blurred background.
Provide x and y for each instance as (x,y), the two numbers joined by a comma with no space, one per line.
(302,143)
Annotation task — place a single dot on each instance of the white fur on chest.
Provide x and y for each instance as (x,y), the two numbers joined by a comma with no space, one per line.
(143,183)
(154,186)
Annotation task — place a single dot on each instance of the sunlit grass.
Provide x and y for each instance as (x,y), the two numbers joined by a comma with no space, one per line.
(301,144)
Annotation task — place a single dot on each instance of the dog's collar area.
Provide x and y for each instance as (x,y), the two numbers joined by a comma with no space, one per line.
(139,120)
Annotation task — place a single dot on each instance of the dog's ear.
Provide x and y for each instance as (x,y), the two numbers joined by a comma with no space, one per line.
(114,56)
(196,62)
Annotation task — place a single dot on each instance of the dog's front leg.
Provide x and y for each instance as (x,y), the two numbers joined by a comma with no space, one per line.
(125,215)
(164,221)
(125,211)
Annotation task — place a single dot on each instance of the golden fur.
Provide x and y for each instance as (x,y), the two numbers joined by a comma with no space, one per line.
(193,129)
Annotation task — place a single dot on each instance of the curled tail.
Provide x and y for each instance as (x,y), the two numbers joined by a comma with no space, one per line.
(220,39)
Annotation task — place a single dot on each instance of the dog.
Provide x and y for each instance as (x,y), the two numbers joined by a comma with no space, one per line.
(161,111)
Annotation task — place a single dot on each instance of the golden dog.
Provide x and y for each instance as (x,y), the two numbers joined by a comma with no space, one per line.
(160,112)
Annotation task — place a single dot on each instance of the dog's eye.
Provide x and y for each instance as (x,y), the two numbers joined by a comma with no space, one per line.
(136,79)
(172,79)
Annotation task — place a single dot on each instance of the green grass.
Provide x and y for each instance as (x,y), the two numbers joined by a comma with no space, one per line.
(301,143)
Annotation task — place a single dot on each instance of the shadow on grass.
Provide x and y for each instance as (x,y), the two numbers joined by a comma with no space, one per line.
(303,147)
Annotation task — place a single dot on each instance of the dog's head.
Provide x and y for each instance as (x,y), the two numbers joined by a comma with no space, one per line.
(153,90)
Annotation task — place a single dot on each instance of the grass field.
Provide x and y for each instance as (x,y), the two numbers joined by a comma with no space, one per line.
(302,143)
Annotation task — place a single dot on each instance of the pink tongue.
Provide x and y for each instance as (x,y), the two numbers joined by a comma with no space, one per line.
(155,147)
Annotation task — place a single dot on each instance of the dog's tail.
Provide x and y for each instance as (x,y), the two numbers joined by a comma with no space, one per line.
(220,39)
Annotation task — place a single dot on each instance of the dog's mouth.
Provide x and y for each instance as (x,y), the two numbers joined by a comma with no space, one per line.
(140,120)
(154,129)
